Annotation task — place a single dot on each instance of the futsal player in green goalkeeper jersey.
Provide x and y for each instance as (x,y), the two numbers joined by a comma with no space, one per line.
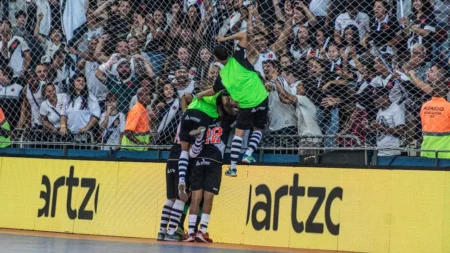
(246,87)
(195,120)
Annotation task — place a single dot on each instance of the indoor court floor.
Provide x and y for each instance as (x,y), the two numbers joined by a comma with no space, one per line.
(20,241)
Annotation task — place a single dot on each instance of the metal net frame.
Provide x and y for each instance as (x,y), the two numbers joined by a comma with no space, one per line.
(350,74)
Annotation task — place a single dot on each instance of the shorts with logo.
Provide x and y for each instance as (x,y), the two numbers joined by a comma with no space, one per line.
(247,118)
(191,120)
(172,172)
(206,174)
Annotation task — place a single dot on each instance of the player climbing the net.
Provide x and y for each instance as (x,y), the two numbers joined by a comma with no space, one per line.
(246,87)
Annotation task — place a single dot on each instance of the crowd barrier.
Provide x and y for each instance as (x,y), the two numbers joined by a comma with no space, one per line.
(359,210)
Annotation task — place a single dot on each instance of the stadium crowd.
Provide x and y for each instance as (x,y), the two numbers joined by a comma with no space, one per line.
(339,73)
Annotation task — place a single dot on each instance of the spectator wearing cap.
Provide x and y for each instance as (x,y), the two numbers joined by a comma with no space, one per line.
(15,50)
(31,102)
(51,110)
(420,29)
(125,85)
(54,43)
(281,114)
(10,95)
(435,114)
(351,17)
(122,51)
(112,124)
(389,125)
(137,128)
(81,111)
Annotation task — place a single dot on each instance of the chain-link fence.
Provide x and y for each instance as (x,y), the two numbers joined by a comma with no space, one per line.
(340,73)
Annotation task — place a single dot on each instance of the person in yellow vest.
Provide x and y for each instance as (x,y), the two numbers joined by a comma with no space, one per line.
(137,127)
(5,131)
(435,116)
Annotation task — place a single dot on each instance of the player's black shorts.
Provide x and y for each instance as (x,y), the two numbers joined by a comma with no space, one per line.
(206,174)
(172,178)
(192,119)
(247,118)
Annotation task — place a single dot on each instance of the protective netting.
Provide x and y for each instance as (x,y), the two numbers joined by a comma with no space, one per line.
(340,73)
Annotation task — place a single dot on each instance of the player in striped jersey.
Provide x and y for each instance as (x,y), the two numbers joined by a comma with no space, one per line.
(173,208)
(206,172)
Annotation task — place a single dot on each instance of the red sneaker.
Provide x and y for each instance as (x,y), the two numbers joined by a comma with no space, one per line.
(200,237)
(189,238)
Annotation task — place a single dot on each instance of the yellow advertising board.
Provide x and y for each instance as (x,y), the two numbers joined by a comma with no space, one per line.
(359,210)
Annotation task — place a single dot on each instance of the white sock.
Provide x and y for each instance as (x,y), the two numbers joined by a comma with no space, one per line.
(175,216)
(192,221)
(204,223)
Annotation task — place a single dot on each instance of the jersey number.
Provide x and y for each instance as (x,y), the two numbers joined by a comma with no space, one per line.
(212,136)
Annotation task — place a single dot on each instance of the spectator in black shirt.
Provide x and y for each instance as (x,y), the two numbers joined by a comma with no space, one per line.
(385,31)
(119,24)
(420,27)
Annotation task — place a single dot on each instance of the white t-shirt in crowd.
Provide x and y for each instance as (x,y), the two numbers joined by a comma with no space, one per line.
(267,55)
(51,48)
(307,117)
(361,21)
(53,113)
(391,117)
(189,89)
(96,88)
(281,115)
(16,47)
(35,101)
(319,7)
(115,127)
(78,118)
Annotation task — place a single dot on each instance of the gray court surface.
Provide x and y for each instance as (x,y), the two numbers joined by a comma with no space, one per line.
(34,244)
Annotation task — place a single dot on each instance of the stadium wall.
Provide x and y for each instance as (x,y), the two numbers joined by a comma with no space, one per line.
(361,210)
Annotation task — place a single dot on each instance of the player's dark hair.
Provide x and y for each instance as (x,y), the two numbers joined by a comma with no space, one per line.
(221,53)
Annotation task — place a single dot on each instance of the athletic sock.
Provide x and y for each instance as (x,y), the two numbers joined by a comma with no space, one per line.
(197,147)
(192,220)
(204,223)
(254,142)
(175,216)
(235,150)
(183,216)
(197,222)
(165,215)
(182,166)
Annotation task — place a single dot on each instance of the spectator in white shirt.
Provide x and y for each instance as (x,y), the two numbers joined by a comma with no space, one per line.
(51,109)
(389,125)
(50,45)
(81,111)
(14,50)
(351,17)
